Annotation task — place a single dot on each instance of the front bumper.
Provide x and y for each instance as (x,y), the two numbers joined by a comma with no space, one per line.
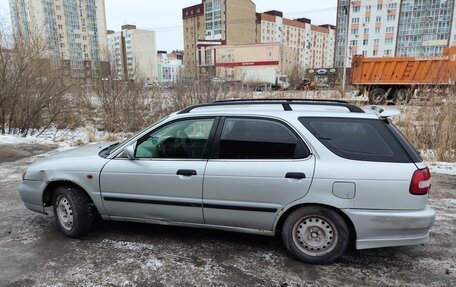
(385,228)
(31,192)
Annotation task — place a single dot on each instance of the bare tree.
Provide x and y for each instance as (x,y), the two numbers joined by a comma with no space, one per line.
(32,89)
(122,104)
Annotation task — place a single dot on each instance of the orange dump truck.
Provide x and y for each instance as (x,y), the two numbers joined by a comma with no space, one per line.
(397,79)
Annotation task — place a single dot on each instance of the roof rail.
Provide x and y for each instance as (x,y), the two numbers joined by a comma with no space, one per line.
(286,103)
(284,99)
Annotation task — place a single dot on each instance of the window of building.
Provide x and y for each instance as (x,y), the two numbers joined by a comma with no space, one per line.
(367,19)
(378,19)
(208,6)
(216,4)
(366,30)
(379,7)
(354,31)
(377,30)
(388,41)
(392,5)
(387,52)
(353,42)
(375,52)
(389,29)
(356,9)
(209,16)
(365,42)
(376,41)
(391,18)
(259,139)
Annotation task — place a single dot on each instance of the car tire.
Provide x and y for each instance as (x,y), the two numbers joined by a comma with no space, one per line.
(377,96)
(315,234)
(73,213)
(402,96)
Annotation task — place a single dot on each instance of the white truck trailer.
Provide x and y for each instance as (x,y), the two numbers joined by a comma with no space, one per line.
(264,79)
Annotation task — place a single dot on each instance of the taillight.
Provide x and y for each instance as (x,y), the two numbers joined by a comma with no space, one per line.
(421,182)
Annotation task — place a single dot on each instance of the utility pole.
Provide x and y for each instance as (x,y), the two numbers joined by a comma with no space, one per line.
(346,49)
(281,50)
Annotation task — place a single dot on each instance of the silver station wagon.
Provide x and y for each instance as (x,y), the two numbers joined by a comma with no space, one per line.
(320,174)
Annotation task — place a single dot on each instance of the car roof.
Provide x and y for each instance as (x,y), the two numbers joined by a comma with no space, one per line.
(282,108)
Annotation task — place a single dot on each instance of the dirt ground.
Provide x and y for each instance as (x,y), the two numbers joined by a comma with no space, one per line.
(34,253)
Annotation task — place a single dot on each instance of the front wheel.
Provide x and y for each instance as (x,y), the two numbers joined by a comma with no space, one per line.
(73,212)
(315,234)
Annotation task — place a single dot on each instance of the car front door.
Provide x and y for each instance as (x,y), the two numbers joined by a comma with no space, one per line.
(260,165)
(164,181)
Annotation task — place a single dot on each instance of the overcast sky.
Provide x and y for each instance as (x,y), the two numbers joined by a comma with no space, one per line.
(165,16)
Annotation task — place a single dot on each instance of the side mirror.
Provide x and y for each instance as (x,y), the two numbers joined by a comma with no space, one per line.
(130,151)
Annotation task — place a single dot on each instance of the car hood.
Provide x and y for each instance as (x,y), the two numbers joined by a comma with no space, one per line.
(81,152)
(68,164)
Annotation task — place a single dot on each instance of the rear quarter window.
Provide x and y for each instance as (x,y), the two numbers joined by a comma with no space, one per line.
(357,139)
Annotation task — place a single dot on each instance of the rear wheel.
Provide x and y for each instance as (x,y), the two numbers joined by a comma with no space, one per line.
(73,212)
(315,234)
(402,96)
(377,96)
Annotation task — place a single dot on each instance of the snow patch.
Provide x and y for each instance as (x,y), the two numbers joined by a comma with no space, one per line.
(126,245)
(443,167)
(65,137)
(153,263)
(266,256)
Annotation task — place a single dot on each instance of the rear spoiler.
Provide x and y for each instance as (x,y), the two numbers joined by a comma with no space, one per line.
(381,112)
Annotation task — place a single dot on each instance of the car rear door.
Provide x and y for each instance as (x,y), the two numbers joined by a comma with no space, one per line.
(258,166)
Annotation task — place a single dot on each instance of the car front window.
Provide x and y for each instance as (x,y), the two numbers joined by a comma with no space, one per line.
(181,139)
(117,146)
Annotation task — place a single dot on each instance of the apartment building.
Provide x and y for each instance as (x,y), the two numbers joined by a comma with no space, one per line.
(372,29)
(453,30)
(75,31)
(386,28)
(133,53)
(225,22)
(169,67)
(425,27)
(313,45)
(194,29)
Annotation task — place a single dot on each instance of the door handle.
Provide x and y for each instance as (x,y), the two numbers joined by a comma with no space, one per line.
(295,175)
(186,172)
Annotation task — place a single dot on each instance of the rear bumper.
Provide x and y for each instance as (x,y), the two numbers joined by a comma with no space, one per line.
(385,228)
(31,192)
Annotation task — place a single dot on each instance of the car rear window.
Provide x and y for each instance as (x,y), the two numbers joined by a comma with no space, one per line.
(250,138)
(412,152)
(357,139)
